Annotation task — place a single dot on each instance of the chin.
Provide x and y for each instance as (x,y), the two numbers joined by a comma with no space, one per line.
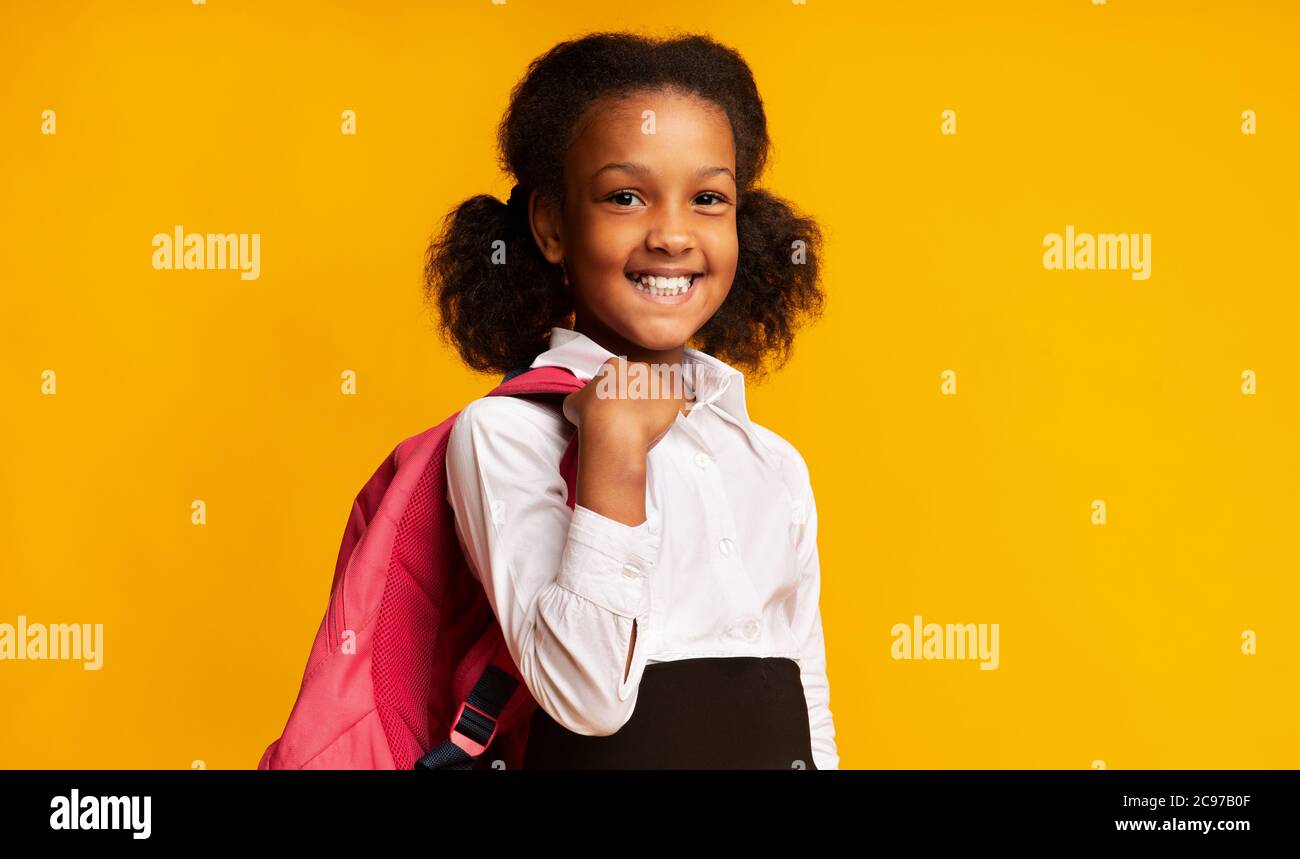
(661,335)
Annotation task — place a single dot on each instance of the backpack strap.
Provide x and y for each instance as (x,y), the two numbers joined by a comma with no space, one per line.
(525,382)
(475,724)
(478,717)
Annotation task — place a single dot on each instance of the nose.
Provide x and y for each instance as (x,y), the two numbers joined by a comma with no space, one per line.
(670,232)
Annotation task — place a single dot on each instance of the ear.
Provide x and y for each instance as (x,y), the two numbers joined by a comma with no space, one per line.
(546,221)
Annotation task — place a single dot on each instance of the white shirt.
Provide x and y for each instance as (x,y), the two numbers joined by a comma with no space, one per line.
(724,565)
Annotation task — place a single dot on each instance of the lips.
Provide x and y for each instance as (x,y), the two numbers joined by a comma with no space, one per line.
(663,271)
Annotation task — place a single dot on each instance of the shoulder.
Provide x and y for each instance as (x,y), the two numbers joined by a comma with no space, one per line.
(793,466)
(509,425)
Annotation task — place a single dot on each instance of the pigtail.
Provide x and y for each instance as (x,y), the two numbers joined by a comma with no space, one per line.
(496,296)
(776,289)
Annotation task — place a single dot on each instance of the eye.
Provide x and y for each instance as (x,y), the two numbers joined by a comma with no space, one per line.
(617,194)
(715,195)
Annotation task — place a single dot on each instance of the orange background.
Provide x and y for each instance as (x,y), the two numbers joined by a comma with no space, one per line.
(1119,642)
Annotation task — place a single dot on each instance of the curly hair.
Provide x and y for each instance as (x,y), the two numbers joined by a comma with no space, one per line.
(499,316)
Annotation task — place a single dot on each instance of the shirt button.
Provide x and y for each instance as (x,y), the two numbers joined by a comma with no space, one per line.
(703,460)
(726,546)
(631,571)
(751,630)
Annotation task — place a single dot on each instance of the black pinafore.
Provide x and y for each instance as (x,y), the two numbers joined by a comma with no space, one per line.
(734,712)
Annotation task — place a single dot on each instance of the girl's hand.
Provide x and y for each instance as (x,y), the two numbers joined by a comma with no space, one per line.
(630,417)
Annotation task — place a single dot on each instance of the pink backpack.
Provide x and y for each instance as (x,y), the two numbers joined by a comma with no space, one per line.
(409,668)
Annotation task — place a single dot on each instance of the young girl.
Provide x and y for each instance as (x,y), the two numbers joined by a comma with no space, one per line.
(671,618)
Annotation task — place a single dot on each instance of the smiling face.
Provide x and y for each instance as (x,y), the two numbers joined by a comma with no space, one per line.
(646,195)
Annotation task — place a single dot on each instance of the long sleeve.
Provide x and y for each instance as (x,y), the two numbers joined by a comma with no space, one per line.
(807,629)
(566,586)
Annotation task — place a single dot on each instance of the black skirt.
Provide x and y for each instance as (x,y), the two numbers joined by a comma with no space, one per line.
(734,712)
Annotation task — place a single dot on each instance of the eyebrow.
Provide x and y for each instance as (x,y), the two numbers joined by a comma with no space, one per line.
(643,170)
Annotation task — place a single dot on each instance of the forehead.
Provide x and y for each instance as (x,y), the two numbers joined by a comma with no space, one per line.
(688,132)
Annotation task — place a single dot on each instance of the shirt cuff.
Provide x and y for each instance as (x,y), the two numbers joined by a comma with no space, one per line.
(609,562)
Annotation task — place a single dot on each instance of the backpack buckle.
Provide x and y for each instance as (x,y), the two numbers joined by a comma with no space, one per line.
(472,729)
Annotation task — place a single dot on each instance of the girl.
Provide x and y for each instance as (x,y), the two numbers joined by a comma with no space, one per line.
(671,618)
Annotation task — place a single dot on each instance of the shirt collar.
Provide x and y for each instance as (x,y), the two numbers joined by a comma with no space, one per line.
(712,381)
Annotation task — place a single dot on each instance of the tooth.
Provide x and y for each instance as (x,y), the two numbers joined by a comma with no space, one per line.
(664,286)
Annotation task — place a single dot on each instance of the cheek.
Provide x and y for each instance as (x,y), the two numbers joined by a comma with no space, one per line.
(598,247)
(724,259)
(608,291)
(720,294)
(722,245)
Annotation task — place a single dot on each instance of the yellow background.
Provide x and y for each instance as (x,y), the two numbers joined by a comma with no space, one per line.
(1119,642)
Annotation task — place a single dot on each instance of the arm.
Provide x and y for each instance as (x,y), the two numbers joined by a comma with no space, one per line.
(569,587)
(808,632)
